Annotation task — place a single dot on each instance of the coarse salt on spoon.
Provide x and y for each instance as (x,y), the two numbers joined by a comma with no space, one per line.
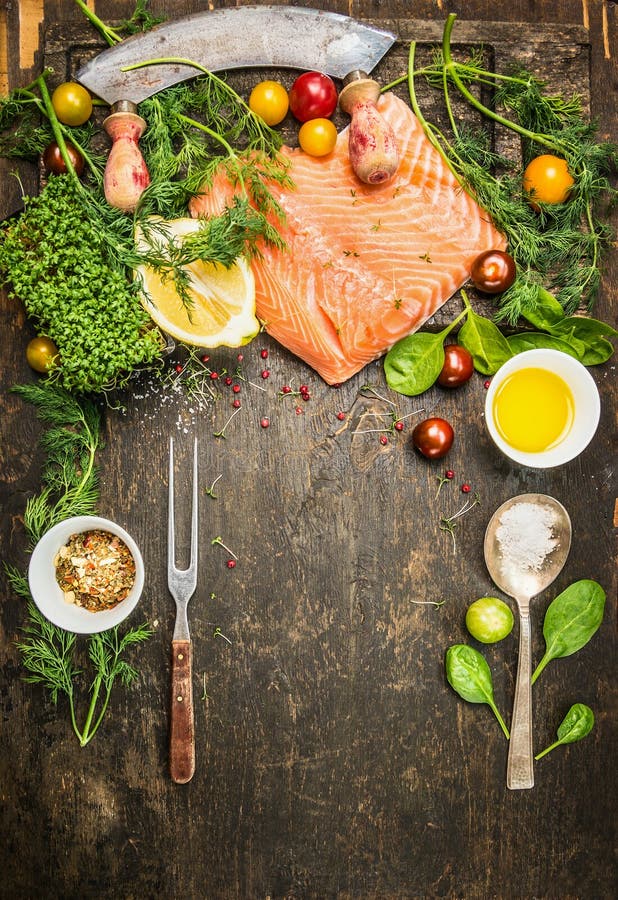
(527,542)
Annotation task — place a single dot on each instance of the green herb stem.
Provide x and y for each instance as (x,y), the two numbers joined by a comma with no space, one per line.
(430,130)
(86,735)
(112,37)
(59,130)
(452,67)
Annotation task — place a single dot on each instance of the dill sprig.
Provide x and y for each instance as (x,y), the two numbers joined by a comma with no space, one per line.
(141,19)
(48,655)
(558,246)
(70,488)
(69,476)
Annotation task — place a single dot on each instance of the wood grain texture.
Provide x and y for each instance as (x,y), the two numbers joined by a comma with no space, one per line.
(182,726)
(333,759)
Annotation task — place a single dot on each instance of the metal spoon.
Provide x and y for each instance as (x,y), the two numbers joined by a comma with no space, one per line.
(527,542)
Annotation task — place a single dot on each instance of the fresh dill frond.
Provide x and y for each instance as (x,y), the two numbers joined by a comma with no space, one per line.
(48,655)
(69,476)
(140,20)
(559,246)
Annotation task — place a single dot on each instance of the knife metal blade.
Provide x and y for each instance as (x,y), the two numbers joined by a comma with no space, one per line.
(242,37)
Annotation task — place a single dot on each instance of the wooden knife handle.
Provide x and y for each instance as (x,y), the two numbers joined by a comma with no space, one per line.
(126,176)
(182,729)
(372,145)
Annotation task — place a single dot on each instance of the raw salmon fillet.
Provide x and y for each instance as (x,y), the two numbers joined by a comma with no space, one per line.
(364,265)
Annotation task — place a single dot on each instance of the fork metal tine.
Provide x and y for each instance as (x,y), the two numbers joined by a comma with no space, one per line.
(182,582)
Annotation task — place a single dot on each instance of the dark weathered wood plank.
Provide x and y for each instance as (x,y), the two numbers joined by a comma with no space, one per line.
(332,759)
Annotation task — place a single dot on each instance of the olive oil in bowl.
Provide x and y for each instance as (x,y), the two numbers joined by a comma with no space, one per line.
(542,408)
(533,409)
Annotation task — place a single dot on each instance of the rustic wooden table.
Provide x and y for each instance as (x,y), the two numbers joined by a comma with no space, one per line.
(333,760)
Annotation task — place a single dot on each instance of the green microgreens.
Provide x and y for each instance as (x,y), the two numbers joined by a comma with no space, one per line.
(218,633)
(219,542)
(450,523)
(436,603)
(210,491)
(221,432)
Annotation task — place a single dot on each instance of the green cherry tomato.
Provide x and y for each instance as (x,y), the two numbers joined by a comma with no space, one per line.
(489,620)
(42,354)
(269,101)
(318,137)
(72,103)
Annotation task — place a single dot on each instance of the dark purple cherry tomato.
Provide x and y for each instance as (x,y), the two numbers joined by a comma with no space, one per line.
(458,366)
(433,437)
(493,271)
(313,96)
(54,163)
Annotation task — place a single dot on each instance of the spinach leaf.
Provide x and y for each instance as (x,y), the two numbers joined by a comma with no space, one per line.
(583,328)
(532,340)
(578,722)
(413,364)
(546,312)
(597,352)
(484,340)
(469,675)
(591,334)
(572,618)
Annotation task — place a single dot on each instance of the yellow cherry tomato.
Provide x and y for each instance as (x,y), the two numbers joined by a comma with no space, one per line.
(547,179)
(42,354)
(269,101)
(72,103)
(318,137)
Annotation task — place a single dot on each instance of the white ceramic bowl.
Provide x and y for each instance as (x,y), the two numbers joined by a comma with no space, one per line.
(587,407)
(46,591)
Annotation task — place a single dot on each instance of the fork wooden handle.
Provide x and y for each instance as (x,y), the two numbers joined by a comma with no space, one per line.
(182,729)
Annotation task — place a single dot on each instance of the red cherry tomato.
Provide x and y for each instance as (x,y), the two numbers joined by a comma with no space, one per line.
(458,366)
(493,271)
(54,163)
(313,96)
(433,437)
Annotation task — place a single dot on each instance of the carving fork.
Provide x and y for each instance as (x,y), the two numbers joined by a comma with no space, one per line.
(182,584)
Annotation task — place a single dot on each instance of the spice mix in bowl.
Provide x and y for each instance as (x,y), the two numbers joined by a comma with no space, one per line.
(86,574)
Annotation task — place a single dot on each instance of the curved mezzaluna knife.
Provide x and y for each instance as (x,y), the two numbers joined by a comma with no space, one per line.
(287,37)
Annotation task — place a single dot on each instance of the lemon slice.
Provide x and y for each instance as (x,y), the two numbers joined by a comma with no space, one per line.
(222,311)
